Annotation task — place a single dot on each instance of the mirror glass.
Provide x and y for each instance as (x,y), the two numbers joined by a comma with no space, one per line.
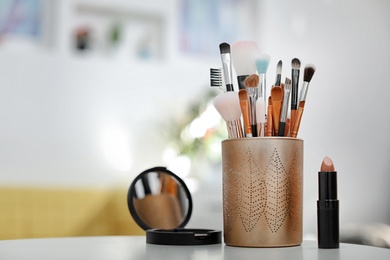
(158,198)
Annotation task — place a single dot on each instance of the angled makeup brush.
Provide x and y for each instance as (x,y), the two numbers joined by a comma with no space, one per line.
(216,79)
(243,57)
(244,103)
(262,66)
(227,65)
(307,76)
(269,117)
(251,83)
(277,100)
(283,115)
(278,73)
(228,106)
(260,117)
(295,68)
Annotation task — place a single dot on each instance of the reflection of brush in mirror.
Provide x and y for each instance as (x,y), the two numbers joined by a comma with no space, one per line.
(251,83)
(228,106)
(244,103)
(243,57)
(307,76)
(227,65)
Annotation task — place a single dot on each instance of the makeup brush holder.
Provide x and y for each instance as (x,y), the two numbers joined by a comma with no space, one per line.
(262,191)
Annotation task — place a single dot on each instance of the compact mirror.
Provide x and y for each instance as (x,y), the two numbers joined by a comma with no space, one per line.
(160,203)
(158,198)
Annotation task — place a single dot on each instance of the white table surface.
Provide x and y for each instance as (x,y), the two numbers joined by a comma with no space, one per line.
(135,247)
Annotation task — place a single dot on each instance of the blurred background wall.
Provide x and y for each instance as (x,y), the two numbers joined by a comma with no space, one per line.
(91,92)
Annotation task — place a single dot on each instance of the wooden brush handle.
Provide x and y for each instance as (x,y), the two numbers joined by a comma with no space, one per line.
(246,118)
(276,107)
(269,121)
(297,122)
(282,128)
(293,116)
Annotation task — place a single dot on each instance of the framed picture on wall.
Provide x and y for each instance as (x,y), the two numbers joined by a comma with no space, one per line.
(204,24)
(26,23)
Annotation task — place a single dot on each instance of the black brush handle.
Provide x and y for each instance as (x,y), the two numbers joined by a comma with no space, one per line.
(294,89)
(282,128)
(254,130)
(229,87)
(278,79)
(240,80)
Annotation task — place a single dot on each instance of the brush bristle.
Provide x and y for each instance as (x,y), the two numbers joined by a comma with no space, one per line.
(228,105)
(252,81)
(262,64)
(243,57)
(215,77)
(224,48)
(287,81)
(279,67)
(243,94)
(309,72)
(295,64)
(287,85)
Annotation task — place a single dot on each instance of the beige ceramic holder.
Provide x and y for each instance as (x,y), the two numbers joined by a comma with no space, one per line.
(262,191)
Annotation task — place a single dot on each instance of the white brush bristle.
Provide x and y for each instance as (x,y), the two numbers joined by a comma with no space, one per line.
(228,105)
(260,111)
(244,55)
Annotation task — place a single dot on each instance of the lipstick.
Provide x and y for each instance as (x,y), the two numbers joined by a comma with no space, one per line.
(327,206)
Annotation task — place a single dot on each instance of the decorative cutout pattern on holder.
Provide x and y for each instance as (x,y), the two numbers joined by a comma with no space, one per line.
(278,192)
(231,195)
(251,192)
(295,212)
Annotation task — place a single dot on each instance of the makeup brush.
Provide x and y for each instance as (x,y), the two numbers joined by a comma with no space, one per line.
(262,66)
(278,73)
(227,65)
(277,99)
(295,68)
(243,57)
(251,83)
(269,117)
(283,115)
(216,79)
(260,117)
(228,106)
(244,103)
(307,76)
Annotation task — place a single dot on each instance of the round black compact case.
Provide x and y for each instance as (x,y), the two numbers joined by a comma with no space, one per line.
(161,204)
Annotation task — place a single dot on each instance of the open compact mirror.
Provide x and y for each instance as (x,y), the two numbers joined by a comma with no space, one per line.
(160,203)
